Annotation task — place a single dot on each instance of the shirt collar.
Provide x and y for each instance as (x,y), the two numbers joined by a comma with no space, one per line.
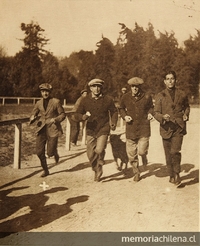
(95,97)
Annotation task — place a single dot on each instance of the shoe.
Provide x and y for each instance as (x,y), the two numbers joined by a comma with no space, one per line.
(44,174)
(136,177)
(177,179)
(99,173)
(171,180)
(56,157)
(73,144)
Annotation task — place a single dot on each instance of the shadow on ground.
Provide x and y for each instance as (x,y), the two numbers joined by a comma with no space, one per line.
(159,170)
(40,213)
(72,156)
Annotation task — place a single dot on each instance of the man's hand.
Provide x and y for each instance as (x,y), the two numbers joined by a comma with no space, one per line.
(52,121)
(85,117)
(166,117)
(149,116)
(185,117)
(88,113)
(112,127)
(32,118)
(128,118)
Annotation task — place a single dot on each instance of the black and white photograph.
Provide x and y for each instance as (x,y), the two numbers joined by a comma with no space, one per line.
(99,122)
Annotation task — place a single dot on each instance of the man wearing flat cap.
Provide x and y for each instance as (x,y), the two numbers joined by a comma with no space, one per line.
(136,108)
(101,115)
(49,113)
(75,125)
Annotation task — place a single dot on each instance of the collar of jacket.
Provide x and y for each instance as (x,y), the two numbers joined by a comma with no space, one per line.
(138,97)
(96,98)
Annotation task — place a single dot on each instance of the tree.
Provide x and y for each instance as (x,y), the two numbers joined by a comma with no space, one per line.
(192,52)
(34,39)
(66,86)
(104,60)
(87,68)
(50,68)
(27,69)
(5,68)
(26,74)
(81,66)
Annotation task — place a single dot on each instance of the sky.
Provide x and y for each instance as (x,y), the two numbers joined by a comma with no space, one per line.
(74,25)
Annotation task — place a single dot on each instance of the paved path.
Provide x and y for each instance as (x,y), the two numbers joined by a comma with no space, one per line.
(73,202)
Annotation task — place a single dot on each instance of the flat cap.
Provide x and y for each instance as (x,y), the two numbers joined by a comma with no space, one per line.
(84,90)
(96,82)
(45,86)
(135,81)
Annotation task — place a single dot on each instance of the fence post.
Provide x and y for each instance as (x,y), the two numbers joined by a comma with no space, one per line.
(17,148)
(67,142)
(83,142)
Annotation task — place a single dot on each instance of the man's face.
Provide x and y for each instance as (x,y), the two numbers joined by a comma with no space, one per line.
(170,81)
(134,89)
(45,94)
(96,89)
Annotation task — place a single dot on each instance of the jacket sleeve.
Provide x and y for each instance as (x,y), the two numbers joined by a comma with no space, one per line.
(80,111)
(61,113)
(186,107)
(158,109)
(35,112)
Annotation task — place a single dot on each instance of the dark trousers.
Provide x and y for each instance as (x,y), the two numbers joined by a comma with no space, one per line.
(172,148)
(41,140)
(74,130)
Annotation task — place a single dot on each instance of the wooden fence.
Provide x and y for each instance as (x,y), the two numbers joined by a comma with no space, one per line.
(18,137)
(20,100)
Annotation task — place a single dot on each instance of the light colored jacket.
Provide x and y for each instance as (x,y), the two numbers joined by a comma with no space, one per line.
(54,110)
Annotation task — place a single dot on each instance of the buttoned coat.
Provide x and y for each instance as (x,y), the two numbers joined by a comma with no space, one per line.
(175,109)
(103,114)
(138,108)
(54,110)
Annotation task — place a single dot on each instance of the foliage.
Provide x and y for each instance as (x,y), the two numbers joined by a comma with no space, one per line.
(137,52)
(104,59)
(5,76)
(34,39)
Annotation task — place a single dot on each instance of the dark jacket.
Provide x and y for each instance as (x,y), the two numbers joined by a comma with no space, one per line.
(138,109)
(103,113)
(54,110)
(176,109)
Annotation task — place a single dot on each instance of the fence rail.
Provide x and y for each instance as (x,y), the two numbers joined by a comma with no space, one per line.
(19,100)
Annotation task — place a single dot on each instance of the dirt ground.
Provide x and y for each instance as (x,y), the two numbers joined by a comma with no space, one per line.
(73,202)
